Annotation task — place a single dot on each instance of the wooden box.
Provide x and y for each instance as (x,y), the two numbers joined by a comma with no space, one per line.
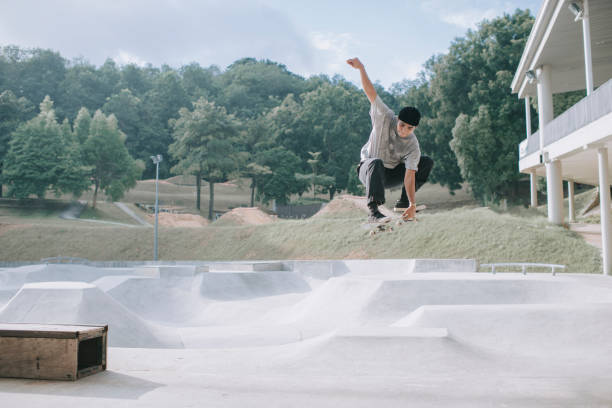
(52,352)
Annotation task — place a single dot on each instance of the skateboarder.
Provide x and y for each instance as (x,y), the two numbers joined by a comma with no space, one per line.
(392,156)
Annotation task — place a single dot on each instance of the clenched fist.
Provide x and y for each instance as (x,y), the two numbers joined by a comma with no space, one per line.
(355,63)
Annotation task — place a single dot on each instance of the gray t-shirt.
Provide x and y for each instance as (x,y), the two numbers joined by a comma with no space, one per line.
(385,143)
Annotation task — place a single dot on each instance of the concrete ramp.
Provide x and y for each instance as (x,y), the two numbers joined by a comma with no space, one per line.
(245,285)
(336,303)
(83,303)
(380,300)
(16,277)
(108,283)
(171,301)
(562,330)
(400,351)
(396,298)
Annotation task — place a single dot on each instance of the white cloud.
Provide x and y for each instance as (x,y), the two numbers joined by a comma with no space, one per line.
(469,18)
(332,50)
(465,13)
(173,32)
(125,58)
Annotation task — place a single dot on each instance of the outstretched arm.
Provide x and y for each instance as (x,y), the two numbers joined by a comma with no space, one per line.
(365,81)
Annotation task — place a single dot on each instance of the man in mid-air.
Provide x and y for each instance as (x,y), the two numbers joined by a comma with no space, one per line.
(392,156)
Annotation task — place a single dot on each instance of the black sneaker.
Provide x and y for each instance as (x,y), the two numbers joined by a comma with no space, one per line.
(401,206)
(378,217)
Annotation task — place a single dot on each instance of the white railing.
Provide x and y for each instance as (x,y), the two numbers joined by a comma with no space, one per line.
(587,110)
(523,266)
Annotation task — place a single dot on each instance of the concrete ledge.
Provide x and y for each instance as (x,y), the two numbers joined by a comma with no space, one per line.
(445,265)
(167,271)
(246,267)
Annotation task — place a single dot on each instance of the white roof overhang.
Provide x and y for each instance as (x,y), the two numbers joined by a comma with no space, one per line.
(556,40)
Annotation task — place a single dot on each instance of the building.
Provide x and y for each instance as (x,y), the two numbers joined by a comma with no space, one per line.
(569,48)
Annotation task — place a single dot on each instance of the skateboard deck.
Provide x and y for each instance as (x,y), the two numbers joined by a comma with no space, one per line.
(419,208)
(394,222)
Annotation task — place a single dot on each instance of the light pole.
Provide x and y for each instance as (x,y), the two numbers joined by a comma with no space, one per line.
(156,160)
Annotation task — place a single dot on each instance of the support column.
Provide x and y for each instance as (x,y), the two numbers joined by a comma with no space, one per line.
(604,205)
(554,181)
(545,101)
(533,179)
(586,36)
(570,200)
(527,117)
(554,192)
(532,175)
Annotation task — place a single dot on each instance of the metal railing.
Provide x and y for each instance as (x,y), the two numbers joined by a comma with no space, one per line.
(524,266)
(587,110)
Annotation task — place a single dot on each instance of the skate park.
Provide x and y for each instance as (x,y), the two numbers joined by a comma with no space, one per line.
(498,294)
(325,333)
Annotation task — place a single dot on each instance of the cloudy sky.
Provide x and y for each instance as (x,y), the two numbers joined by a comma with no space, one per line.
(393,37)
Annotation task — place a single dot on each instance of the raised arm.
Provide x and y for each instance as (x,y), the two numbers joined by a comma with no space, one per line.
(365,81)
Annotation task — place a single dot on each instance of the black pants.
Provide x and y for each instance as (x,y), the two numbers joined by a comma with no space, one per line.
(376,177)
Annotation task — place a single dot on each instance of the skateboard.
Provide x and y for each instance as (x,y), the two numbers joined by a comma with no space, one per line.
(419,208)
(394,222)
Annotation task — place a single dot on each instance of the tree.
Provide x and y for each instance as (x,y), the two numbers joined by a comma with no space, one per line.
(114,171)
(250,87)
(315,158)
(476,72)
(354,185)
(326,183)
(200,82)
(36,73)
(161,104)
(256,137)
(134,121)
(281,182)
(138,80)
(204,145)
(485,136)
(43,155)
(336,115)
(13,111)
(82,124)
(86,86)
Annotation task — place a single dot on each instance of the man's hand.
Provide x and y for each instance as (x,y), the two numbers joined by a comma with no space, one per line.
(410,213)
(365,81)
(355,63)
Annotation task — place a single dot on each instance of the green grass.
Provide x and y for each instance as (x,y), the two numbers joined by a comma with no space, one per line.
(443,231)
(227,195)
(107,212)
(478,233)
(31,211)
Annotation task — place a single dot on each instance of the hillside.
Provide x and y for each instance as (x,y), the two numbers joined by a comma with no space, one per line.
(465,232)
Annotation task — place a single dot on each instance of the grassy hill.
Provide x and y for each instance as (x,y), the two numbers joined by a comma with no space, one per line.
(464,232)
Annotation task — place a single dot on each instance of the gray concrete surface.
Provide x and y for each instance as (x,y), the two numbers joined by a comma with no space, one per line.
(323,333)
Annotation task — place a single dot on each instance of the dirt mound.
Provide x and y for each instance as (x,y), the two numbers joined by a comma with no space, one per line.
(343,204)
(178,220)
(245,216)
(348,205)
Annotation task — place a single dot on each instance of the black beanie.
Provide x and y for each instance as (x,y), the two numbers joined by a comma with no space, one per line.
(410,115)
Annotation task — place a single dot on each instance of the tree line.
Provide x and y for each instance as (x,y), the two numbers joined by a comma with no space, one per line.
(255,119)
